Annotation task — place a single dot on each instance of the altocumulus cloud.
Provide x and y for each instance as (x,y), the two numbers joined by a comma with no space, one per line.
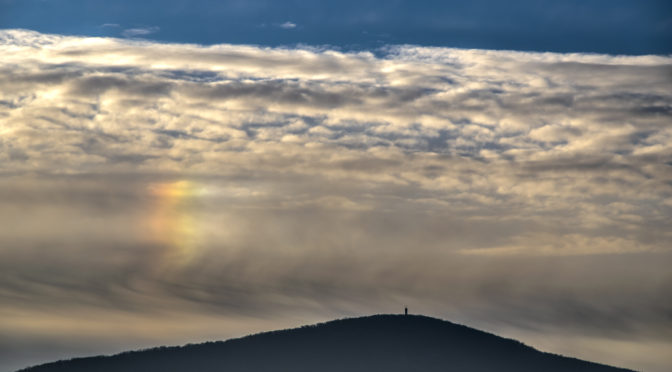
(157,184)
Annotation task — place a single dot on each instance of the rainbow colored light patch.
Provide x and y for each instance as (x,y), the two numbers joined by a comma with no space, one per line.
(172,221)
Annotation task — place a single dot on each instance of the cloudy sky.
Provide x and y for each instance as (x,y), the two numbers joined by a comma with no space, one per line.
(165,182)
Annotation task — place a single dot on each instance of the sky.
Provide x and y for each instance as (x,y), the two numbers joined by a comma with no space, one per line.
(593,26)
(179,172)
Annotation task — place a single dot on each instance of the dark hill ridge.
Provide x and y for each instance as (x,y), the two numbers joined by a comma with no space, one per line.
(377,343)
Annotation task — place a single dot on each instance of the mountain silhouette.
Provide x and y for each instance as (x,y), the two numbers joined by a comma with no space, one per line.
(386,343)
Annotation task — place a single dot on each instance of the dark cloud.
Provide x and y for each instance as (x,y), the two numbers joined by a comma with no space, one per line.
(95,85)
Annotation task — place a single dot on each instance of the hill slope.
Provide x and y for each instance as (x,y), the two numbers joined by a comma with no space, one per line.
(377,343)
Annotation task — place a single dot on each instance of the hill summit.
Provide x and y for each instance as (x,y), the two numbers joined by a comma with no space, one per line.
(376,343)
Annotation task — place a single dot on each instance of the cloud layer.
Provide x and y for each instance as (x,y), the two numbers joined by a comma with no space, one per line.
(522,192)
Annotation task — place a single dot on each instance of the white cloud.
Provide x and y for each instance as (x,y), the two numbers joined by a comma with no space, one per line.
(139,31)
(288,25)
